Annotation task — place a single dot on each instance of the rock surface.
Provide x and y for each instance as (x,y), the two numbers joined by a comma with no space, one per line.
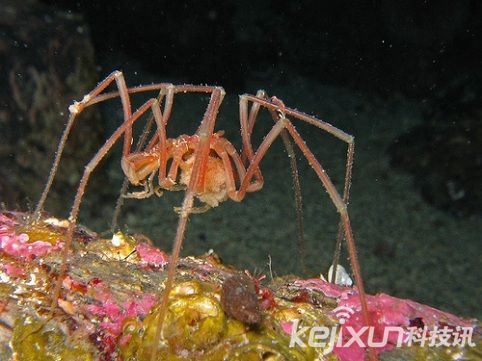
(46,61)
(108,306)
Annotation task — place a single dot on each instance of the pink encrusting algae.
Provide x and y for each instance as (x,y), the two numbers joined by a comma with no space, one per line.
(113,316)
(20,244)
(387,311)
(105,307)
(151,255)
(384,310)
(13,270)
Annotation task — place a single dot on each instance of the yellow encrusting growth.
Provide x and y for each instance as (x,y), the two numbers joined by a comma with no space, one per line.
(33,340)
(42,232)
(196,328)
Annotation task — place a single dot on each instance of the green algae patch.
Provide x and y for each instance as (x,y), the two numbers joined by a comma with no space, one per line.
(35,340)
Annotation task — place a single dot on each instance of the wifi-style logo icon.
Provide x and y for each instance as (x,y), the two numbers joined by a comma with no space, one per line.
(343,313)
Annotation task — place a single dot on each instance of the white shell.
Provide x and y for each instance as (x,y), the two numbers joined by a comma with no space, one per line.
(117,239)
(342,276)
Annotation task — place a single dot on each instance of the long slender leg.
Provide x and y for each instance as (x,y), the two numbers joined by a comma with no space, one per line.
(284,123)
(140,144)
(160,139)
(348,169)
(75,109)
(346,189)
(228,153)
(204,132)
(247,122)
(335,132)
(346,195)
(247,125)
(341,207)
(125,183)
(150,104)
(97,96)
(161,134)
(297,198)
(222,149)
(296,182)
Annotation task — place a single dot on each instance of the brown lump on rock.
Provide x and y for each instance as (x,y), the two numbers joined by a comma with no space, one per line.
(239,299)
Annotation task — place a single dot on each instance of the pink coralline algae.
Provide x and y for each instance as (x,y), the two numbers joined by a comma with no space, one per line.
(113,314)
(151,256)
(392,311)
(384,311)
(287,327)
(20,245)
(13,270)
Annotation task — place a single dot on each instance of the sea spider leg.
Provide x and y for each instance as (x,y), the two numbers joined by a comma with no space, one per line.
(204,132)
(159,139)
(328,128)
(94,97)
(346,194)
(285,123)
(167,92)
(346,190)
(75,109)
(247,126)
(297,197)
(140,144)
(125,183)
(90,167)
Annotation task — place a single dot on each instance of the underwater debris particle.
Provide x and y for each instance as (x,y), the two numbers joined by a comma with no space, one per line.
(239,299)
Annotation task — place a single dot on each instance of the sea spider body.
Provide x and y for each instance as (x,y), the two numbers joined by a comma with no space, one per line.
(140,168)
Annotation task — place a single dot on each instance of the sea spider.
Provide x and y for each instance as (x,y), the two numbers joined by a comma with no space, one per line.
(206,165)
